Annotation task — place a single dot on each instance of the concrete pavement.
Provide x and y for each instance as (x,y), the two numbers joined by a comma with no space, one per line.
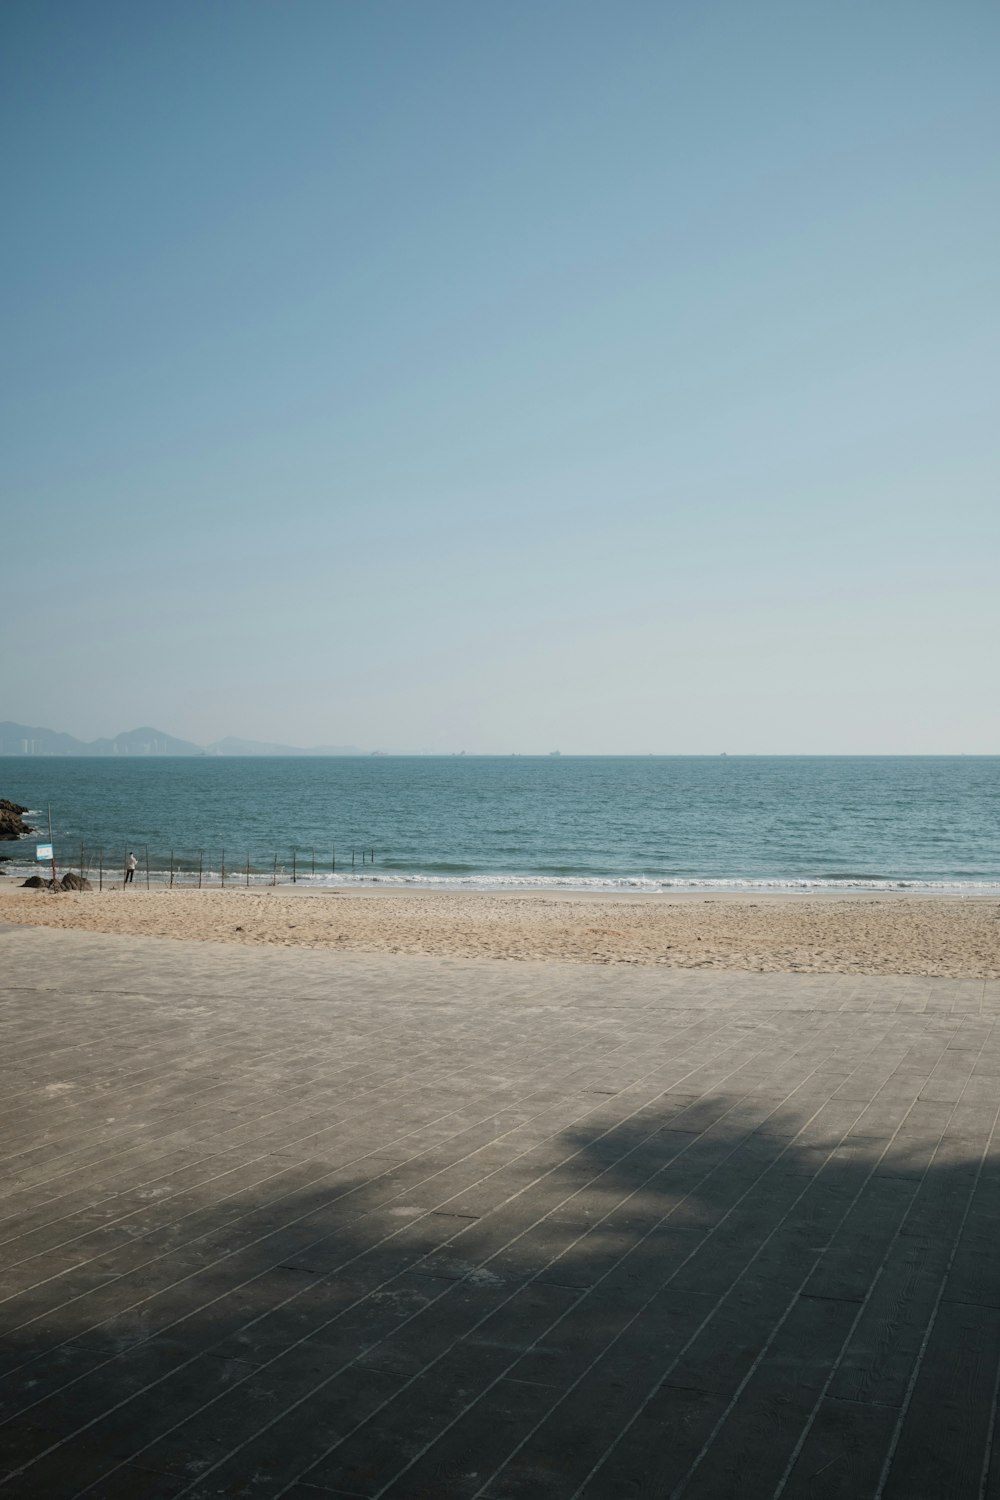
(313,1224)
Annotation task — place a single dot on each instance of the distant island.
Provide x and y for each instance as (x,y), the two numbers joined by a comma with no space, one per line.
(25,739)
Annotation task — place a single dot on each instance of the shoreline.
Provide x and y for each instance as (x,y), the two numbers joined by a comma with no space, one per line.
(601,887)
(827,931)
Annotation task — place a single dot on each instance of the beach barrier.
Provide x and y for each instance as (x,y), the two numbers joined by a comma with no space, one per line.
(205,868)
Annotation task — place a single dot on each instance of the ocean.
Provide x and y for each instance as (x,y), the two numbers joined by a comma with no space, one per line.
(574,822)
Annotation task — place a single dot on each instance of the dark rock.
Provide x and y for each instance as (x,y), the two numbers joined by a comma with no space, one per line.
(37,883)
(72,882)
(12,825)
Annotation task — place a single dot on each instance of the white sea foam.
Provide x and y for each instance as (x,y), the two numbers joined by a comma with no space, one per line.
(552,882)
(639,883)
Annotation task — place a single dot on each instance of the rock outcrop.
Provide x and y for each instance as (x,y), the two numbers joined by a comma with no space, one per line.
(69,882)
(12,825)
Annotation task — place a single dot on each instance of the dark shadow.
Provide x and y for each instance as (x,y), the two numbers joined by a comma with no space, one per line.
(709,1296)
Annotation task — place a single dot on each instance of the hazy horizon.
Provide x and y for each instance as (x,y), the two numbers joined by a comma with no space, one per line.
(438,378)
(328,752)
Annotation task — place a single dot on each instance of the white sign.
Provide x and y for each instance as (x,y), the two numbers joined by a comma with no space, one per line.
(44,851)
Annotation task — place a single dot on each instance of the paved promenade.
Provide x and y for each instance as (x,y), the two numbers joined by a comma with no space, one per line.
(325,1225)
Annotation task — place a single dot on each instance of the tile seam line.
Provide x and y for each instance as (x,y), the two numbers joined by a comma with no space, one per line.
(984,1474)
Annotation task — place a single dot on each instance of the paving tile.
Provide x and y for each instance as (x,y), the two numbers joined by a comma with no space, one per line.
(944,1443)
(285,1448)
(842,1453)
(753,1444)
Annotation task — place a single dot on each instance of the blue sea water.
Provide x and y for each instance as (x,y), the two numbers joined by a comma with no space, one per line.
(645,823)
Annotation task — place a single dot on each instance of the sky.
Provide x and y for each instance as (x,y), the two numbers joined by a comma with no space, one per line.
(609,377)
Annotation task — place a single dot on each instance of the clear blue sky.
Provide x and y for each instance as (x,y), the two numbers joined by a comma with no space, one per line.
(610,377)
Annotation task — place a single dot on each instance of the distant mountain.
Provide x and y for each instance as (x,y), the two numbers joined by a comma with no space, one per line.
(144,742)
(24,739)
(21,739)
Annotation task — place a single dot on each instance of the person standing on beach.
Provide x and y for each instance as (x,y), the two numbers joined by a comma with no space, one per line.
(131,865)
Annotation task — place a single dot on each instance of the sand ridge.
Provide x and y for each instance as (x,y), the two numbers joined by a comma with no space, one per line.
(954,937)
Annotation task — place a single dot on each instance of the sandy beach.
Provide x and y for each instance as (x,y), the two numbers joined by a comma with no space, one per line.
(948,936)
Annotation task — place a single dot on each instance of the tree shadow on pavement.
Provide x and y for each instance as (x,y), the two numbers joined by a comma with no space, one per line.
(709,1297)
